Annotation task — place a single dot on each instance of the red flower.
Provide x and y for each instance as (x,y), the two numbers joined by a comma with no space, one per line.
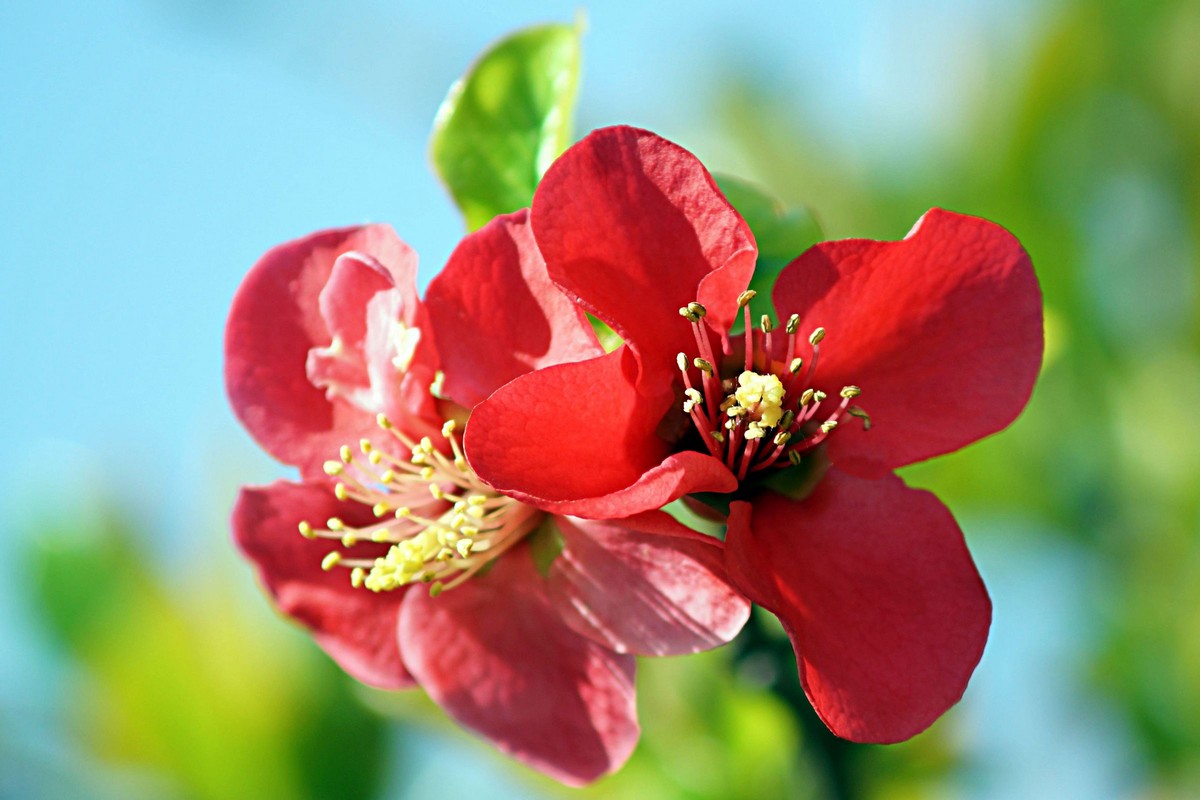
(942,331)
(330,359)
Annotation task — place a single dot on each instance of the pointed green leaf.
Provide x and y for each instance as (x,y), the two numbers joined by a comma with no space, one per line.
(782,233)
(506,120)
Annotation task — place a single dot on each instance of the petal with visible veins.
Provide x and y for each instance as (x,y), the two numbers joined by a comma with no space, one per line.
(496,656)
(645,585)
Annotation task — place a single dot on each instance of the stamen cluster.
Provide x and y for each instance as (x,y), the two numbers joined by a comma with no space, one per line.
(768,416)
(443,524)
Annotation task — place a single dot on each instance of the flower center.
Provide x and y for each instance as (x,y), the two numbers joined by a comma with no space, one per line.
(770,415)
(442,522)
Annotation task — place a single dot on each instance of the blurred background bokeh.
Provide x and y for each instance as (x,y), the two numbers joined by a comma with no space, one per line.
(150,150)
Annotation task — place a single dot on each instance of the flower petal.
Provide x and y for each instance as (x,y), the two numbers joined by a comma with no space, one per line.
(355,626)
(274,321)
(496,656)
(579,439)
(942,330)
(874,584)
(634,227)
(496,315)
(673,596)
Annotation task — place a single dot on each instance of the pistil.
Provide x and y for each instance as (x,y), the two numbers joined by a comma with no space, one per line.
(769,415)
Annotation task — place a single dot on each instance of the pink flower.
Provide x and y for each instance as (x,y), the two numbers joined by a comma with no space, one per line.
(330,360)
(940,333)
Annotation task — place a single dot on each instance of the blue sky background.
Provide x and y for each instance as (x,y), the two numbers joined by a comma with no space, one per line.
(151,151)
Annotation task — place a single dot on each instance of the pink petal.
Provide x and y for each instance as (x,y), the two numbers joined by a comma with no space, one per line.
(646,585)
(634,226)
(496,656)
(579,439)
(942,331)
(497,315)
(356,627)
(874,584)
(274,321)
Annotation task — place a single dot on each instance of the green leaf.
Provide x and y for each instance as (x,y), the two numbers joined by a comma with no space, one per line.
(782,232)
(506,120)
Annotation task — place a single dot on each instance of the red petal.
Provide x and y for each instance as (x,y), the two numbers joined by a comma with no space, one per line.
(579,439)
(942,330)
(273,323)
(355,626)
(497,315)
(874,584)
(633,225)
(673,596)
(496,656)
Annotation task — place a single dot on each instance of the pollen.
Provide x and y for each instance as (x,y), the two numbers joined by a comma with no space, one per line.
(770,413)
(435,522)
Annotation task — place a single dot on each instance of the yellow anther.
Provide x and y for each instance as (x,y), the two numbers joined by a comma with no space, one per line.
(380,509)
(448,428)
(697,309)
(333,468)
(829,425)
(850,391)
(345,454)
(477,499)
(795,366)
(794,457)
(469,531)
(782,437)
(426,445)
(306,530)
(340,491)
(688,314)
(816,337)
(437,492)
(375,457)
(387,476)
(331,560)
(356,577)
(381,535)
(427,473)
(463,546)
(334,524)
(745,297)
(855,411)
(682,361)
(806,397)
(403,511)
(717,436)
(793,323)
(736,411)
(766,324)
(787,419)
(365,446)
(818,395)
(755,430)
(476,512)
(349,540)
(703,366)
(382,421)
(461,464)
(435,388)
(694,398)
(458,520)
(435,588)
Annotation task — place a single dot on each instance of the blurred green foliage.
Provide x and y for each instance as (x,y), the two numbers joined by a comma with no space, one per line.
(176,677)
